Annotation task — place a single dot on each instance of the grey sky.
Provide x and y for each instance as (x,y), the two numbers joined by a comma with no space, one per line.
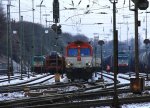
(76,21)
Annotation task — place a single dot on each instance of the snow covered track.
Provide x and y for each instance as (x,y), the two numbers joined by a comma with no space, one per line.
(26,82)
(72,94)
(12,78)
(74,100)
(20,86)
(92,103)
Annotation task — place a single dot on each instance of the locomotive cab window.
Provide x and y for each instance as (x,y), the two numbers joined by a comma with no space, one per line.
(73,52)
(37,59)
(85,52)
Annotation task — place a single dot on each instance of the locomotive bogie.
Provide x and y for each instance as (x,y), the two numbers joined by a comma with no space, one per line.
(79,73)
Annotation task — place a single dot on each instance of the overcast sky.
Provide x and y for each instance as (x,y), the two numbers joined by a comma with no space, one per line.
(83,19)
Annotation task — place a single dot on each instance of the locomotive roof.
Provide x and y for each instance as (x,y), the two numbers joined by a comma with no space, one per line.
(78,42)
(54,54)
(39,56)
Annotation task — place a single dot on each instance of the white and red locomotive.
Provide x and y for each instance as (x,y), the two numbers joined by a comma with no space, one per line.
(79,60)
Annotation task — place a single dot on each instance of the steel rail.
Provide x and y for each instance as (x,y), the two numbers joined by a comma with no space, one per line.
(87,103)
(62,98)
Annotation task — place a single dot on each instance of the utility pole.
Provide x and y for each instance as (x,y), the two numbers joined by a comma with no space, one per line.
(146,25)
(101,42)
(41,34)
(11,48)
(56,20)
(115,55)
(8,41)
(96,38)
(136,40)
(19,36)
(19,11)
(146,47)
(40,10)
(33,35)
(21,46)
(128,49)
(142,5)
(139,82)
(146,41)
(41,29)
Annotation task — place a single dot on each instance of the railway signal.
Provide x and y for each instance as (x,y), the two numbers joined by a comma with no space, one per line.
(56,28)
(146,41)
(55,11)
(141,4)
(59,31)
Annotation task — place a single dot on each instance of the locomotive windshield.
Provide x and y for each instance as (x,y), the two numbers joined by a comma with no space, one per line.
(123,57)
(38,59)
(85,52)
(72,52)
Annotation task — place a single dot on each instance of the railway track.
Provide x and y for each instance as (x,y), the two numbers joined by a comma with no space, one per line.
(81,95)
(32,86)
(12,78)
(16,88)
(25,82)
(109,76)
(93,103)
(69,100)
(64,98)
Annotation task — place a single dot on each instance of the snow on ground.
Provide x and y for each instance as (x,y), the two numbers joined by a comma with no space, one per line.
(10,96)
(42,79)
(17,95)
(18,80)
(141,105)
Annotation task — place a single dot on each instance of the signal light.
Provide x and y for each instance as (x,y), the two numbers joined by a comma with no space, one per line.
(137,85)
(56,28)
(59,31)
(142,4)
(146,41)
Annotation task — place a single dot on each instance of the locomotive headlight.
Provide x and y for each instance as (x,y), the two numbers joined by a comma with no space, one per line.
(88,64)
(69,64)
